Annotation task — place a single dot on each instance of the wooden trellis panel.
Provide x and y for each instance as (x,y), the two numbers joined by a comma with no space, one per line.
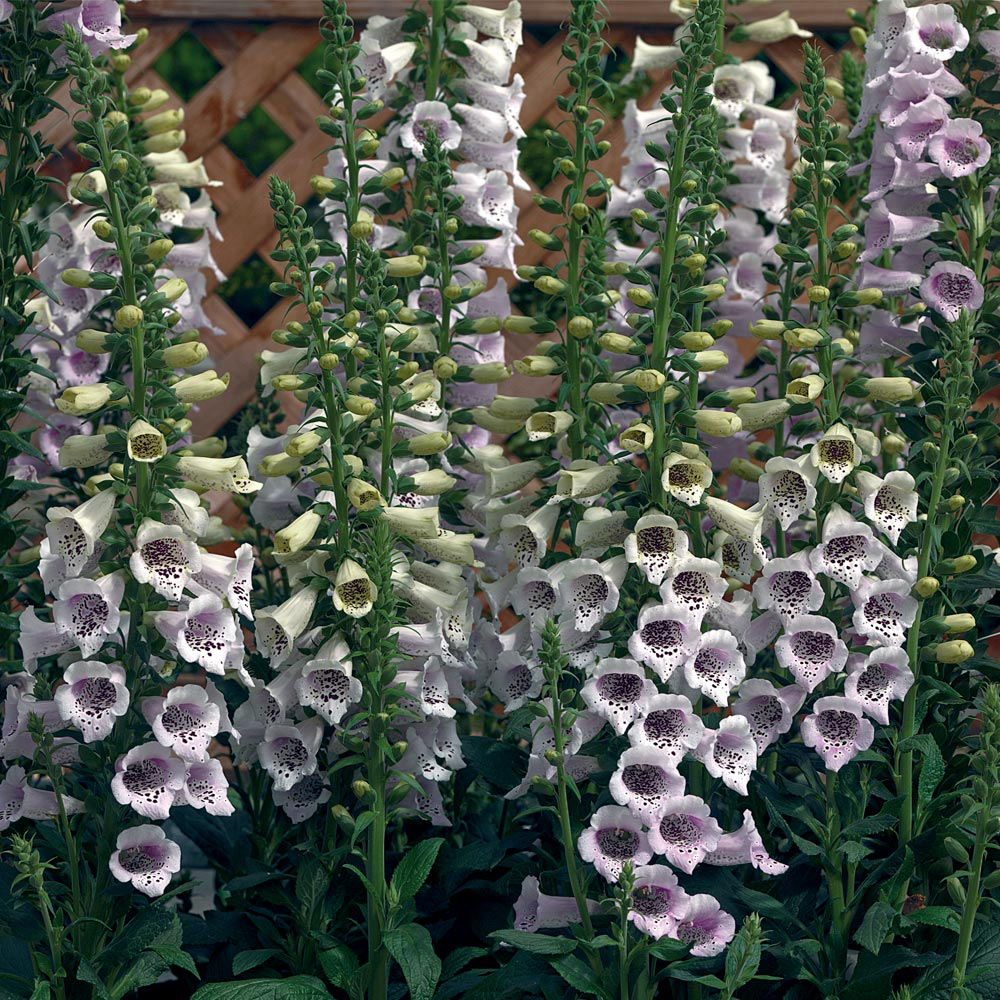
(259,67)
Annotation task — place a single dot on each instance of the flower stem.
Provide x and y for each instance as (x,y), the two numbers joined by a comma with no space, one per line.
(972,898)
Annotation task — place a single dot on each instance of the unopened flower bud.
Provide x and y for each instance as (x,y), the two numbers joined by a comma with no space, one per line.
(717,423)
(581,327)
(548,285)
(164,121)
(818,294)
(76,277)
(444,367)
(744,469)
(408,266)
(641,297)
(616,343)
(82,400)
(185,355)
(953,651)
(802,338)
(711,361)
(363,790)
(927,586)
(893,444)
(93,341)
(535,365)
(697,340)
(891,389)
(767,329)
(490,372)
(297,535)
(834,88)
(272,466)
(165,142)
(650,380)
(432,443)
(322,187)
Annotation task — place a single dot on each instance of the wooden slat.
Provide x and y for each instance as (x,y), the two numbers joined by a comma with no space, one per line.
(813,13)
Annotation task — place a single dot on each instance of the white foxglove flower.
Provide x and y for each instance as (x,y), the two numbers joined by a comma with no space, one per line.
(837,731)
(328,686)
(288,753)
(503,24)
(737,86)
(186,510)
(229,474)
(599,530)
(618,691)
(745,526)
(205,787)
(730,753)
(788,488)
(670,725)
(769,710)
(882,677)
(665,637)
(745,846)
(88,610)
(589,589)
(525,539)
(19,800)
(419,760)
(185,721)
(614,837)
(203,633)
(229,577)
(489,61)
(686,479)
(655,545)
(81,451)
(811,649)
(514,680)
(277,627)
(685,832)
(646,57)
(148,778)
(506,101)
(73,533)
(303,799)
(644,783)
(146,858)
(884,611)
(164,557)
(39,639)
(380,65)
(93,696)
(773,29)
(426,117)
(694,585)
(535,595)
(717,667)
(789,586)
(890,503)
(848,549)
(836,454)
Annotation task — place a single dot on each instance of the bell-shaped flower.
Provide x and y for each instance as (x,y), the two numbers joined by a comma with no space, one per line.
(380,65)
(788,488)
(729,753)
(537,911)
(504,24)
(165,558)
(288,753)
(278,627)
(951,288)
(881,677)
(515,680)
(93,696)
(717,667)
(745,847)
(327,685)
(525,539)
(489,61)
(666,636)
(934,30)
(426,117)
(148,778)
(420,760)
(836,454)
(203,633)
(613,838)
(959,148)
(884,610)
(353,591)
(848,549)
(670,726)
(303,799)
(88,610)
(229,474)
(686,479)
(693,586)
(584,481)
(185,721)
(146,858)
(644,782)
(685,832)
(706,926)
(657,902)
(205,787)
(789,586)
(19,800)
(618,691)
(837,730)
(588,589)
(535,595)
(744,525)
(811,649)
(506,101)
(72,534)
(229,577)
(655,545)
(767,709)
(186,510)
(890,502)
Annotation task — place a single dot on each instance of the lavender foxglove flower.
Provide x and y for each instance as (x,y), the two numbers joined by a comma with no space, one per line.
(890,502)
(694,585)
(666,636)
(669,725)
(204,633)
(146,858)
(811,649)
(93,696)
(950,288)
(303,799)
(706,926)
(768,710)
(288,753)
(959,148)
(164,558)
(619,691)
(745,846)
(148,778)
(515,681)
(536,911)
(658,902)
(848,549)
(788,488)
(685,832)
(644,782)
(837,731)
(717,667)
(789,586)
(185,721)
(614,837)
(19,800)
(884,675)
(205,787)
(88,610)
(884,610)
(729,753)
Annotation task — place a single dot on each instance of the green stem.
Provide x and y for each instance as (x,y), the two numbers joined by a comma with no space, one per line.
(972,898)
(834,869)
(623,954)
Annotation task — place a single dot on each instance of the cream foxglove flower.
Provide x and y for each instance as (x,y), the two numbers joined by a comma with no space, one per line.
(547,423)
(82,400)
(836,454)
(229,474)
(504,478)
(353,591)
(72,534)
(279,626)
(198,388)
(773,29)
(745,525)
(296,536)
(81,451)
(525,539)
(450,546)
(686,478)
(599,529)
(415,523)
(145,442)
(655,545)
(584,481)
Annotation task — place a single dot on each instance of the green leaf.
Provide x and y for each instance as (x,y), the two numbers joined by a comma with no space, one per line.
(935,916)
(537,944)
(668,949)
(295,988)
(311,884)
(41,992)
(931,767)
(412,948)
(413,869)
(458,959)
(874,928)
(579,975)
(247,960)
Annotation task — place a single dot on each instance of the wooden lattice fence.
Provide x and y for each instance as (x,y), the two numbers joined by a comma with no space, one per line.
(261,50)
